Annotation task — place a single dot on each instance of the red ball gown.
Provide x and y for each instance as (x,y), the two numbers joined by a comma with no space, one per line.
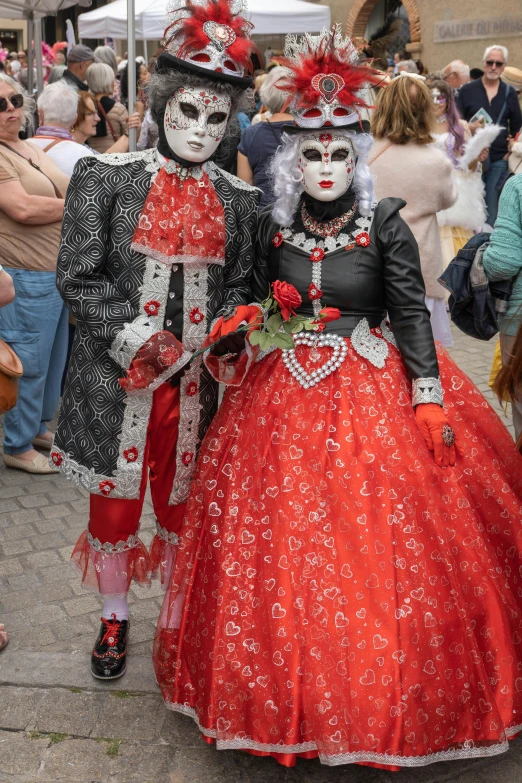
(336,593)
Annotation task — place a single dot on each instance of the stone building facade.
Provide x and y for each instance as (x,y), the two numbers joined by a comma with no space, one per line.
(443,30)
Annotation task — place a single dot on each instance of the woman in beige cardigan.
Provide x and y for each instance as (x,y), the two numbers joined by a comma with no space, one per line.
(114,118)
(406,165)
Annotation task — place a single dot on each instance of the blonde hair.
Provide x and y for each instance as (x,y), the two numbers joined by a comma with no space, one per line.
(405,112)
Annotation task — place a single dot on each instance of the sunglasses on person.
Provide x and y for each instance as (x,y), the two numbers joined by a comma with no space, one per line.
(491,63)
(16,101)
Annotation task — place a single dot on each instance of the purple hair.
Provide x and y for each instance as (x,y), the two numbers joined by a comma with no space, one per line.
(455,128)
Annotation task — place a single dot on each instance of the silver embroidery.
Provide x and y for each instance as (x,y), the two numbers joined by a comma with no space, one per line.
(367,345)
(127,486)
(214,172)
(329,244)
(426,390)
(388,334)
(195,295)
(169,538)
(124,158)
(111,549)
(157,255)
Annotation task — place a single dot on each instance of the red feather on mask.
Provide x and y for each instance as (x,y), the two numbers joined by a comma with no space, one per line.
(327,60)
(190,30)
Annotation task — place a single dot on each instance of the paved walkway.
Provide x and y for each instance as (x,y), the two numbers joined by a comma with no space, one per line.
(58,724)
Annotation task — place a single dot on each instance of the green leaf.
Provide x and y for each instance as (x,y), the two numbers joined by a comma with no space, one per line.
(288,327)
(283,340)
(254,338)
(297,327)
(267,304)
(265,341)
(273,323)
(309,326)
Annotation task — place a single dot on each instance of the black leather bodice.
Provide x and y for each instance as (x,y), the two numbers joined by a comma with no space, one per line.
(366,282)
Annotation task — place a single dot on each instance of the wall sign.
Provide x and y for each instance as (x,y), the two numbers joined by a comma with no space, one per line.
(469,29)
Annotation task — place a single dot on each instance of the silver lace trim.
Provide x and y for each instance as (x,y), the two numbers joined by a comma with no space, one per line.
(113,549)
(467,751)
(214,172)
(426,390)
(156,255)
(329,244)
(169,538)
(124,158)
(368,345)
(388,334)
(127,483)
(195,294)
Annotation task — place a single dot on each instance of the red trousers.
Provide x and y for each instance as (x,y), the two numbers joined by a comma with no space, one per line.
(112,519)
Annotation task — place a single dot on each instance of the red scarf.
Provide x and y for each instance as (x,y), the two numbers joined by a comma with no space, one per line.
(182,221)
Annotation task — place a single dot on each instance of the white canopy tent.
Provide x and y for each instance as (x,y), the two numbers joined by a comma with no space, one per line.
(267,16)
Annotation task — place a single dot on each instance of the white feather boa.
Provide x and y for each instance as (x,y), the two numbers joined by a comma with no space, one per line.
(469,210)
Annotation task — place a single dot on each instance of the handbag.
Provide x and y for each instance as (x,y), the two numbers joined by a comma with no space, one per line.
(10,370)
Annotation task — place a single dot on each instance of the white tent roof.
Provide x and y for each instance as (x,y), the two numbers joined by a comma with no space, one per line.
(267,16)
(21,9)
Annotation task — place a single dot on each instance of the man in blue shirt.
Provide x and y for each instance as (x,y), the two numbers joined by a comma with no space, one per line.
(500,101)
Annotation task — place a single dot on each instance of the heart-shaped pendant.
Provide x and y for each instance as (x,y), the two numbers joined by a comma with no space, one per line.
(328,84)
(221,35)
(315,341)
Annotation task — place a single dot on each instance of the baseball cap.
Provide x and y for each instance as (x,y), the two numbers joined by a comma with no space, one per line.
(80,54)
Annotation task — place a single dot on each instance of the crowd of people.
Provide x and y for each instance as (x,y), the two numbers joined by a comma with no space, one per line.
(286,238)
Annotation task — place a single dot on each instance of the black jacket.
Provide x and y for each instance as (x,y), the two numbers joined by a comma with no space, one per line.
(473,96)
(363,283)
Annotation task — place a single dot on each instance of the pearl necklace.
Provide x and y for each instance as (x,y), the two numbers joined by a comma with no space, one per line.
(328,228)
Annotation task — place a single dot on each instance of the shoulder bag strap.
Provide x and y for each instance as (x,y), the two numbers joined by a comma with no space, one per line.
(52,144)
(107,120)
(386,147)
(35,166)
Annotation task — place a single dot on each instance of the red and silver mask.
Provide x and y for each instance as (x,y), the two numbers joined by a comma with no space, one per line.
(195,122)
(327,163)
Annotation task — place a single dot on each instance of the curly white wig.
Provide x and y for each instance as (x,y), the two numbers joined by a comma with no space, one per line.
(288,180)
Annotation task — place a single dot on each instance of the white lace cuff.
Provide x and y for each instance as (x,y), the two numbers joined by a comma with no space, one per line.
(128,342)
(426,390)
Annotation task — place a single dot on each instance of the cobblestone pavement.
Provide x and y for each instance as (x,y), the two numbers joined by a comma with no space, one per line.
(58,724)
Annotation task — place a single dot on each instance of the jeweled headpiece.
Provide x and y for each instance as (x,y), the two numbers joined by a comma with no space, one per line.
(211,35)
(326,82)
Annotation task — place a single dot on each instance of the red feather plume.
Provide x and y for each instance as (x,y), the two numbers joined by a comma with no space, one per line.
(190,30)
(326,60)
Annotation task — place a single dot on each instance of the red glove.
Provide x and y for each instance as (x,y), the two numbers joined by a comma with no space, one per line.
(430,420)
(251,314)
(161,351)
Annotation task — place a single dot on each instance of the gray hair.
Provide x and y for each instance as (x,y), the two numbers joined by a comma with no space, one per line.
(502,49)
(288,180)
(273,98)
(59,104)
(100,78)
(165,83)
(410,65)
(56,73)
(106,55)
(28,107)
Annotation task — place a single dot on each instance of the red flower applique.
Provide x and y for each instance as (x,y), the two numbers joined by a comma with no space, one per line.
(152,307)
(131,455)
(363,239)
(192,389)
(277,239)
(196,316)
(106,487)
(319,326)
(317,254)
(187,457)
(56,458)
(314,292)
(349,247)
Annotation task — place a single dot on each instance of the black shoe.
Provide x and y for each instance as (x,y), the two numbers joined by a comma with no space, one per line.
(109,656)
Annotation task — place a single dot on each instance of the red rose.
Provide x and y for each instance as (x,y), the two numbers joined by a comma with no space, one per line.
(56,458)
(314,292)
(287,297)
(329,314)
(192,389)
(277,239)
(187,457)
(106,487)
(131,455)
(363,239)
(152,307)
(317,254)
(319,326)
(196,316)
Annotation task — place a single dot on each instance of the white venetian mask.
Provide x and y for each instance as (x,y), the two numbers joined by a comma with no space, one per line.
(195,122)
(327,162)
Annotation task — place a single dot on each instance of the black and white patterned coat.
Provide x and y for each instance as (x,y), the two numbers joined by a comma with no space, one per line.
(100,440)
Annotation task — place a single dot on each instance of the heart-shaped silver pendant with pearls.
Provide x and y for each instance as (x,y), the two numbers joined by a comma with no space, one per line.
(316,342)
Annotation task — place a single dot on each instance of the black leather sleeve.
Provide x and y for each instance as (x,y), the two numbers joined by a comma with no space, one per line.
(404,290)
(261,277)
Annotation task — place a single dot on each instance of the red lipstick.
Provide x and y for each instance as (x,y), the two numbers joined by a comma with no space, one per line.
(326,183)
